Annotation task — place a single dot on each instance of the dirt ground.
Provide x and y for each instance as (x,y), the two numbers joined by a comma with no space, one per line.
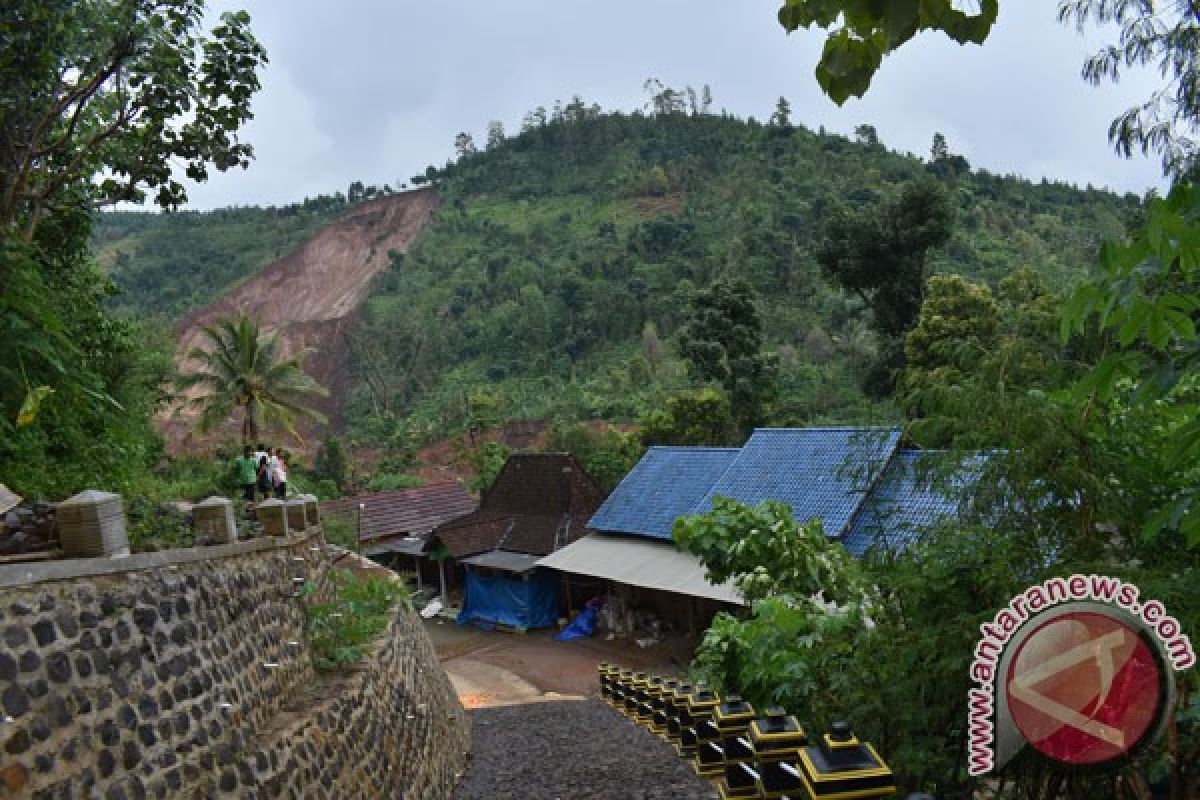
(492,668)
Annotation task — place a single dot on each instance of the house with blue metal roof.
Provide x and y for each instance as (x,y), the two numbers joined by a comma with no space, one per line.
(822,473)
(918,490)
(630,544)
(865,489)
(667,483)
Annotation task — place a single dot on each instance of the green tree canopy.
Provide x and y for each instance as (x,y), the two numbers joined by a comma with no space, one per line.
(880,251)
(100,102)
(974,354)
(1165,35)
(330,463)
(782,118)
(607,455)
(690,417)
(103,101)
(765,552)
(723,342)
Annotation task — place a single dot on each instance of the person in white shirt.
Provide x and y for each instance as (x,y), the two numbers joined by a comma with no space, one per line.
(279,473)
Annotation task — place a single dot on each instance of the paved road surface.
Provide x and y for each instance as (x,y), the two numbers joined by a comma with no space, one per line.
(571,750)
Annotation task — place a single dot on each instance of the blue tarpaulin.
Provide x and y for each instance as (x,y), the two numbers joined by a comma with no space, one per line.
(581,627)
(528,601)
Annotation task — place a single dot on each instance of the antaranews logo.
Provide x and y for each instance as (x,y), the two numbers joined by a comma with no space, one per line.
(1079,668)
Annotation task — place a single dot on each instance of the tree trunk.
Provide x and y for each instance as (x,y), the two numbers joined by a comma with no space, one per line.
(249,428)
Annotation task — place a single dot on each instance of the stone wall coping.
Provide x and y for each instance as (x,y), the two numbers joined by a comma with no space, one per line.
(16,575)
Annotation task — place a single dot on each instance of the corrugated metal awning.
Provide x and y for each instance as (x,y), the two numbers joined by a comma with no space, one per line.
(639,562)
(405,545)
(504,560)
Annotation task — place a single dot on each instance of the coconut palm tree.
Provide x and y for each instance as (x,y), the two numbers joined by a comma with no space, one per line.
(240,367)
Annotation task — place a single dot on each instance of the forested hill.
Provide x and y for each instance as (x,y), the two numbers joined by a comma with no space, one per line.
(563,260)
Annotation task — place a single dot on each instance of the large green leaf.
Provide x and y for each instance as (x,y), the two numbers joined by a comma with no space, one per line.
(32,404)
(861,32)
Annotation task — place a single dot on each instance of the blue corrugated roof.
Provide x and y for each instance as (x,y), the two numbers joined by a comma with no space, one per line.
(819,472)
(914,494)
(667,482)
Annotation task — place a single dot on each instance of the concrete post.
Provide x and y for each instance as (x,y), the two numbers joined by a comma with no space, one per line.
(272,515)
(213,517)
(92,523)
(296,509)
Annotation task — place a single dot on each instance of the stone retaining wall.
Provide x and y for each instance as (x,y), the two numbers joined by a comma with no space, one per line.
(395,730)
(177,674)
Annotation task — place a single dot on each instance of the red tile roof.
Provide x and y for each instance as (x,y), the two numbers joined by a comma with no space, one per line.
(403,512)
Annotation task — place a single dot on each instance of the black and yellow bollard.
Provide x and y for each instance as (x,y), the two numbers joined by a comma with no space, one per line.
(710,759)
(733,715)
(706,731)
(621,688)
(741,782)
(779,780)
(652,690)
(777,736)
(633,694)
(738,749)
(607,672)
(732,719)
(700,707)
(842,767)
(661,703)
(677,711)
(614,687)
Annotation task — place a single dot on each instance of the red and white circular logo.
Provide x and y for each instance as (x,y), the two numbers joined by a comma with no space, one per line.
(1084,688)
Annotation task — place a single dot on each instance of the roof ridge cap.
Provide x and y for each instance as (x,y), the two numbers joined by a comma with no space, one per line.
(832,428)
(397,490)
(692,447)
(866,495)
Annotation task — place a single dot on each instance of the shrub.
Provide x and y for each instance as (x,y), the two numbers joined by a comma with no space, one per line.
(387,481)
(361,608)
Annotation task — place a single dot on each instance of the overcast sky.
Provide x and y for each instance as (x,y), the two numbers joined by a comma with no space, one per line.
(375,90)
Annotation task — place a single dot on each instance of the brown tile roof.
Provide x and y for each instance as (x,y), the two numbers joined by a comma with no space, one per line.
(402,512)
(532,496)
(474,533)
(545,483)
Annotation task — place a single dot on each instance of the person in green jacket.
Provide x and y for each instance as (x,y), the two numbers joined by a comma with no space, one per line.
(245,472)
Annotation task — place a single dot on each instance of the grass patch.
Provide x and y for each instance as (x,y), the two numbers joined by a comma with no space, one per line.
(361,608)
(340,529)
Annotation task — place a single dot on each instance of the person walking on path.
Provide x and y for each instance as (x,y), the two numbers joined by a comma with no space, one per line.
(245,472)
(279,473)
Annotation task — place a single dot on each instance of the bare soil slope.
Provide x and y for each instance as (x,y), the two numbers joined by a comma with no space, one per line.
(312,295)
